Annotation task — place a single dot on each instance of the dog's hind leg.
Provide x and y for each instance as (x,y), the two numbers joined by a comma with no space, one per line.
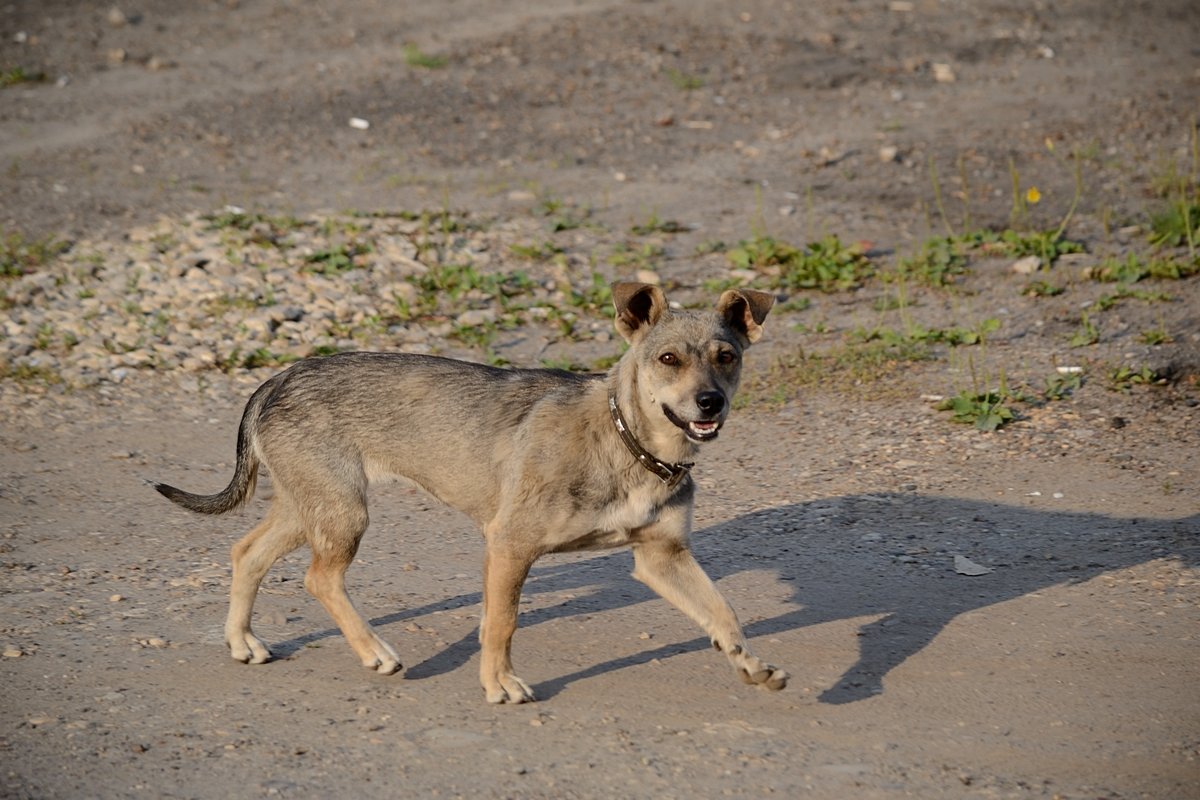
(334,523)
(278,534)
(503,577)
(667,567)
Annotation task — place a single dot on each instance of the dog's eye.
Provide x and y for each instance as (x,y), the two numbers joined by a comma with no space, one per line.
(726,357)
(670,359)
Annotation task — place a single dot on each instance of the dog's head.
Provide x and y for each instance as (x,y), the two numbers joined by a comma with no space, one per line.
(688,363)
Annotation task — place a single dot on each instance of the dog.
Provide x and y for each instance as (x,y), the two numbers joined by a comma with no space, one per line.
(545,461)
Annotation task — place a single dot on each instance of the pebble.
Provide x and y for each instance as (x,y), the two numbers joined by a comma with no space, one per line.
(943,73)
(1027,265)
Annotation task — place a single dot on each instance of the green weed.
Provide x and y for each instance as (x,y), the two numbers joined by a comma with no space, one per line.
(1059,387)
(563,217)
(1133,269)
(1178,224)
(1042,289)
(1124,377)
(940,260)
(684,81)
(478,336)
(656,225)
(1110,300)
(1155,336)
(953,337)
(595,296)
(987,411)
(827,264)
(1087,333)
(21,256)
(415,58)
(18,75)
(565,364)
(643,257)
(539,251)
(337,259)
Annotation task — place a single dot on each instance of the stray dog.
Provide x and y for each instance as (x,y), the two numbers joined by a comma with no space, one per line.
(544,461)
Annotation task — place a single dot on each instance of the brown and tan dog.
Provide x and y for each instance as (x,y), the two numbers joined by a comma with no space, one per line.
(544,461)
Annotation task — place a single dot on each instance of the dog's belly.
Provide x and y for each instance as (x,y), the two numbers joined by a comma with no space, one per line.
(596,540)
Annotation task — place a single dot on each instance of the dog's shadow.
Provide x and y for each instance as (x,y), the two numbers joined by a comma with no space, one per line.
(889,557)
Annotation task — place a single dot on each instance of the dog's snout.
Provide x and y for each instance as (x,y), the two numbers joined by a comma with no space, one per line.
(710,403)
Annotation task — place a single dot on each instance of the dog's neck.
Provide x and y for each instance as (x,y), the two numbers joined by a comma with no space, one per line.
(664,443)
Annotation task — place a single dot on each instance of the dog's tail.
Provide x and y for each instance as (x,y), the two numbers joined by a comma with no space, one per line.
(245,472)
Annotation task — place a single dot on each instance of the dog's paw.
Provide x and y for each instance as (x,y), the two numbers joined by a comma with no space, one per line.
(382,658)
(753,670)
(508,688)
(247,648)
(768,677)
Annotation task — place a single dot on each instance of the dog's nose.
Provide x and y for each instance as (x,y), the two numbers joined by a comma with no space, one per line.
(710,402)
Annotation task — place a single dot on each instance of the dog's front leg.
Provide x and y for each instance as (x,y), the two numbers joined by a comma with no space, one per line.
(667,567)
(503,577)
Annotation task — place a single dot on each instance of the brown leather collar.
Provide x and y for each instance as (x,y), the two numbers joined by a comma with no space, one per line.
(670,474)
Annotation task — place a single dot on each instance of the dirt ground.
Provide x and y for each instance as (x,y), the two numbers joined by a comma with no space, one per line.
(832,508)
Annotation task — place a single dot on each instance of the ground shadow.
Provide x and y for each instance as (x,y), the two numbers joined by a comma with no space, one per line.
(889,557)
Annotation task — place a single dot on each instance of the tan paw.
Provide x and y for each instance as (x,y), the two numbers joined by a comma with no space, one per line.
(382,658)
(247,648)
(768,677)
(508,688)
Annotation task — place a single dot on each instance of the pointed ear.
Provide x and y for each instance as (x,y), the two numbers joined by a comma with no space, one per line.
(639,307)
(744,310)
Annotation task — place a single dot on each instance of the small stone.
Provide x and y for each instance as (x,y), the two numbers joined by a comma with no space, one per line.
(116,17)
(156,642)
(943,73)
(359,124)
(13,652)
(648,276)
(116,598)
(117,55)
(965,566)
(476,317)
(1027,265)
(644,635)
(889,154)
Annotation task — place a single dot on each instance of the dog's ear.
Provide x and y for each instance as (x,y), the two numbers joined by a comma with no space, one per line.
(744,310)
(639,307)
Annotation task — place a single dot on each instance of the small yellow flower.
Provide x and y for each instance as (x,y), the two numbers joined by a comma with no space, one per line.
(1033,196)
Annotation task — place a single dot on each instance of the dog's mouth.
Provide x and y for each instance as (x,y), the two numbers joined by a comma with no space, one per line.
(701,430)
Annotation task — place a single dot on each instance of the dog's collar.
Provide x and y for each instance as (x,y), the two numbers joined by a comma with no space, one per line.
(670,474)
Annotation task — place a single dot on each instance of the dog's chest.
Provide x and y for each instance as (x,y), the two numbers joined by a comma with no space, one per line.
(615,522)
(636,510)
